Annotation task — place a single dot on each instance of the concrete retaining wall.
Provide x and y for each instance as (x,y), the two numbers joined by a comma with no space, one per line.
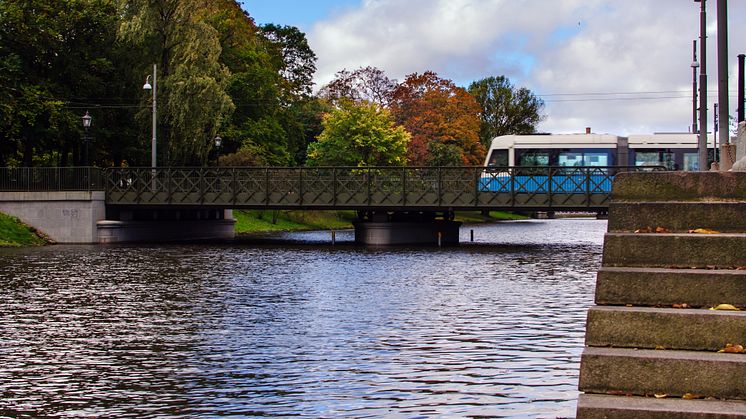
(66,217)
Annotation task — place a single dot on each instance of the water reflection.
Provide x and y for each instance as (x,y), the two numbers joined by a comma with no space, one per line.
(267,328)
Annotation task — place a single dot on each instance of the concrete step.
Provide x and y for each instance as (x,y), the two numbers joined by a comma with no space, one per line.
(665,287)
(674,250)
(667,328)
(725,217)
(594,406)
(645,372)
(679,186)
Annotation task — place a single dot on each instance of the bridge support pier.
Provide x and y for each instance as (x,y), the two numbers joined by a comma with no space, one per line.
(166,226)
(382,228)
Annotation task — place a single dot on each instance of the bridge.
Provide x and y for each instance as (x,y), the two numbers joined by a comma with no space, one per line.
(379,194)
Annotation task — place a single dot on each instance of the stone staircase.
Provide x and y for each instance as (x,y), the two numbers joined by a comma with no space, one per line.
(652,341)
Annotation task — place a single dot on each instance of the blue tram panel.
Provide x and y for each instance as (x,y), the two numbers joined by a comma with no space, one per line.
(576,183)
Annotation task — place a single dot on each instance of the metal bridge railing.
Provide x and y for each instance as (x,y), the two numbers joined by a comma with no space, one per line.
(368,187)
(43,179)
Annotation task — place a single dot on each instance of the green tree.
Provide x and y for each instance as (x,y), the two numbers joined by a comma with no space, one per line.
(359,134)
(55,55)
(192,81)
(505,108)
(298,61)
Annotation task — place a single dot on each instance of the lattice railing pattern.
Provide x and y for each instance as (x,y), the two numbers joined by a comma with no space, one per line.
(365,188)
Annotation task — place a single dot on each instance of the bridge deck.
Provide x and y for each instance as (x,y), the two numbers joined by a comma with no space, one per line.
(407,188)
(382,188)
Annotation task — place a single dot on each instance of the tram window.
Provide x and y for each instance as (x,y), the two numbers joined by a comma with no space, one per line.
(691,162)
(570,159)
(655,158)
(596,159)
(498,158)
(534,158)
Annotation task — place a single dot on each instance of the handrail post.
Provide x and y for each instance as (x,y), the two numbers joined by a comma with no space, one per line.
(549,187)
(511,170)
(266,186)
(476,172)
(440,186)
(334,187)
(300,186)
(587,187)
(370,196)
(234,189)
(404,186)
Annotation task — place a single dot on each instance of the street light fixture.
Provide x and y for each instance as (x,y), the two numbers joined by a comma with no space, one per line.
(218,143)
(87,118)
(147,86)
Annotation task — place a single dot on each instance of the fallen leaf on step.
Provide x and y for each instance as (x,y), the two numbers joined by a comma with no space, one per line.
(684,305)
(703,231)
(691,396)
(644,230)
(660,395)
(661,230)
(731,348)
(741,268)
(728,307)
(618,393)
(660,348)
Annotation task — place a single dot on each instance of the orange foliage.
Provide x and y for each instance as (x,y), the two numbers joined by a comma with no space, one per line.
(435,109)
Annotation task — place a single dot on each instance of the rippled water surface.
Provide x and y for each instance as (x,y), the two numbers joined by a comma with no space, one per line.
(295,326)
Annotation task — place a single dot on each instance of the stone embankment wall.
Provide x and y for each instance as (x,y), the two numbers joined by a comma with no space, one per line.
(65,217)
(675,249)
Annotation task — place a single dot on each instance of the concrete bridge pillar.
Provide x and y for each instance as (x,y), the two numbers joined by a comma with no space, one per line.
(399,228)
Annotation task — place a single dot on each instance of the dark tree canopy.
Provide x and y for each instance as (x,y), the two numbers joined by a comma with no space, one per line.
(505,108)
(298,61)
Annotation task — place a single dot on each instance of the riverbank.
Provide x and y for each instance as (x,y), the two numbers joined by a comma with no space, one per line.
(255,221)
(14,233)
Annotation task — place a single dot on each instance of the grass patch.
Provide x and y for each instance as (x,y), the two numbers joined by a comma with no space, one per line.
(13,233)
(255,221)
(478,217)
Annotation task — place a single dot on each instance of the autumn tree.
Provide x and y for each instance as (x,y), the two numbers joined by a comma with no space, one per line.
(359,134)
(435,110)
(505,108)
(364,84)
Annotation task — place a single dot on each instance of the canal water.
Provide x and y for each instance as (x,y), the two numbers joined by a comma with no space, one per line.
(293,326)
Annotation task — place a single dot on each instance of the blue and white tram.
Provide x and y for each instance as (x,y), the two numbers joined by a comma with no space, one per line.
(536,163)
(673,151)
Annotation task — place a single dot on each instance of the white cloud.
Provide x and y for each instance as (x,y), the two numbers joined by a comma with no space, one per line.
(549,46)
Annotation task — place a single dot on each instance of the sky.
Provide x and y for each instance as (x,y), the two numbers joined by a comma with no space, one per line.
(617,66)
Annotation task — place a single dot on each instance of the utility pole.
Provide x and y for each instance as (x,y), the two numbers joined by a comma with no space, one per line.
(702,143)
(723,70)
(741,101)
(695,65)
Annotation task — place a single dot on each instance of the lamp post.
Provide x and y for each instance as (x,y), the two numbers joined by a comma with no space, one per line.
(702,143)
(218,143)
(86,139)
(154,88)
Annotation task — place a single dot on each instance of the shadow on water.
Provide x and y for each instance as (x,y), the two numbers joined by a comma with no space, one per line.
(294,326)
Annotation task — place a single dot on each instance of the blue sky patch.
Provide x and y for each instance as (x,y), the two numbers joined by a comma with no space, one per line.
(300,13)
